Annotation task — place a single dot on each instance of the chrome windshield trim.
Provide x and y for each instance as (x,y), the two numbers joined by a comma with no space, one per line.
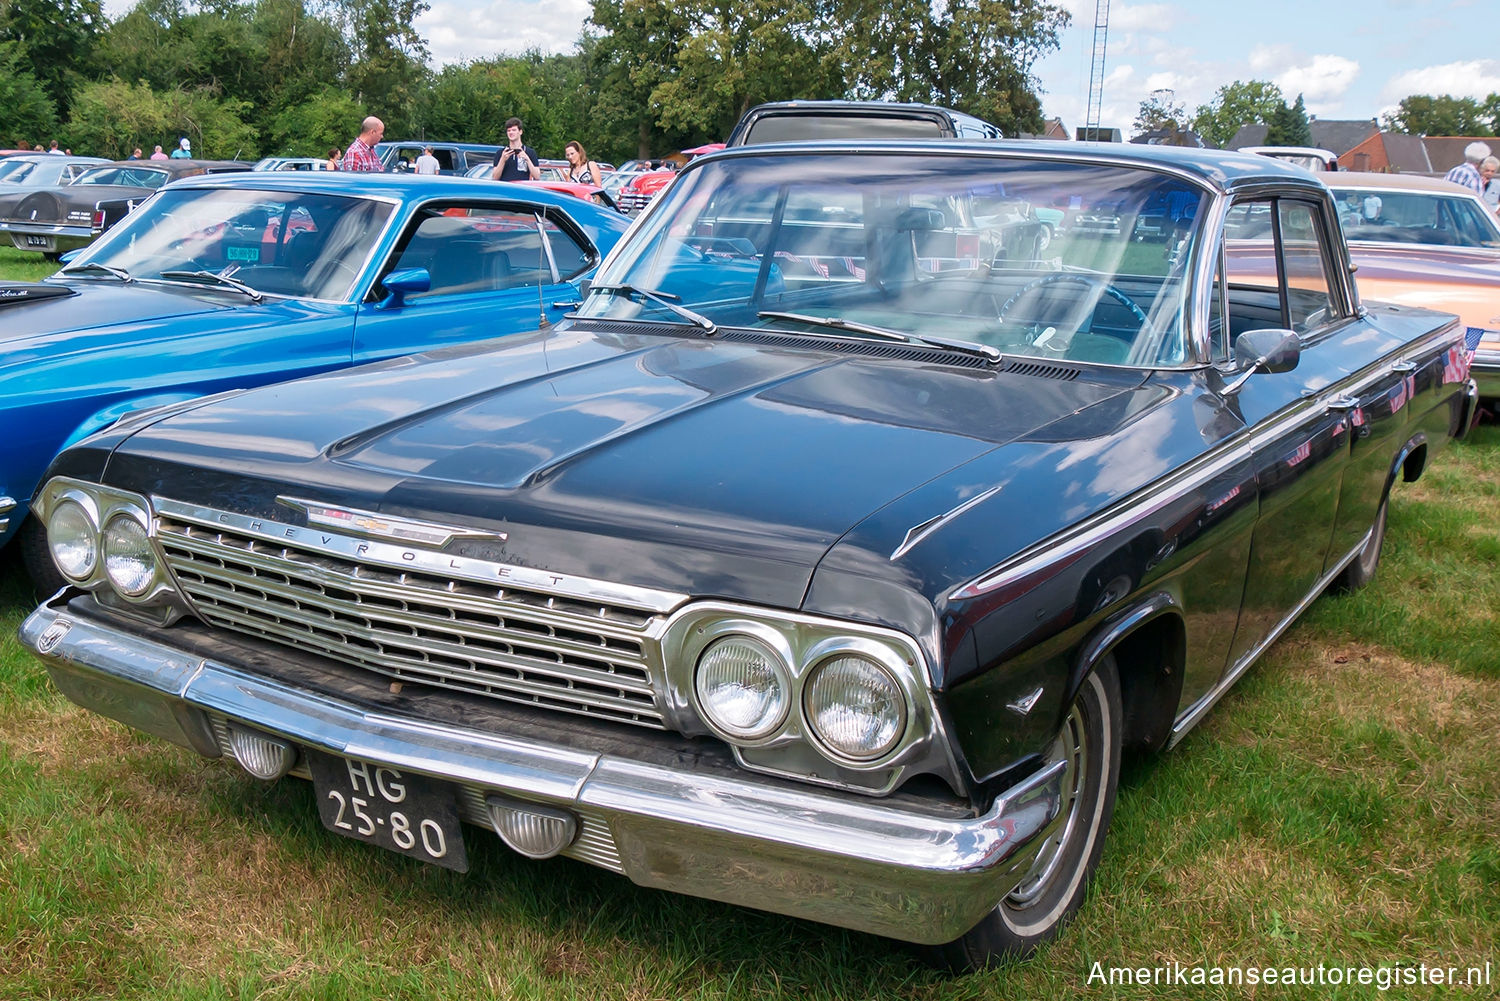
(398,557)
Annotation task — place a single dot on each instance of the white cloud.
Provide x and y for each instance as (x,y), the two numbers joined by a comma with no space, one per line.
(1477,79)
(1146,17)
(457,31)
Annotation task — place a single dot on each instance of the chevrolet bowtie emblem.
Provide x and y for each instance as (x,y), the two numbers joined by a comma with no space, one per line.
(380,526)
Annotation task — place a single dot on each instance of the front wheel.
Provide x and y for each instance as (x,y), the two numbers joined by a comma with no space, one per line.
(1054,888)
(1361,569)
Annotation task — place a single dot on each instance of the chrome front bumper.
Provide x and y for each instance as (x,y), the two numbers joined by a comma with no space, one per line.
(840,859)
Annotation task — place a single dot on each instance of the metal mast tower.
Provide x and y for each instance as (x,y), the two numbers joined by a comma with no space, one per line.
(1096,70)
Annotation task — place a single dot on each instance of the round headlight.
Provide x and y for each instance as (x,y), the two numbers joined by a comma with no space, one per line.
(855,707)
(129,560)
(72,540)
(742,687)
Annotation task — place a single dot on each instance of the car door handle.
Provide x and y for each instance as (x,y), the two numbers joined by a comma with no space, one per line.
(573,304)
(1403,367)
(1341,404)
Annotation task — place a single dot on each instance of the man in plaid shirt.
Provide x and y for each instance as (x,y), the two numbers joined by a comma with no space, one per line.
(360,155)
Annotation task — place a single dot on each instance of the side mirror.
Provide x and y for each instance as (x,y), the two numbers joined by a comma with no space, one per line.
(400,284)
(1269,350)
(71,255)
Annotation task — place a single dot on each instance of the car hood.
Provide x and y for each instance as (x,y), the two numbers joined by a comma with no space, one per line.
(46,321)
(711,467)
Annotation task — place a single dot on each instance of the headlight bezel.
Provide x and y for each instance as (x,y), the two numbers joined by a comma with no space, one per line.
(104,505)
(806,641)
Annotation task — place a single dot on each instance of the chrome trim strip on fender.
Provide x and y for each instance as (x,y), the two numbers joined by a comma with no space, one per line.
(885,868)
(1152,498)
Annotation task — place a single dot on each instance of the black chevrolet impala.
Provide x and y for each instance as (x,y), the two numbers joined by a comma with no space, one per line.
(824,561)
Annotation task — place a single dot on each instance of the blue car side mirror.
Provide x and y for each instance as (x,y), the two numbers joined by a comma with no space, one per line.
(400,284)
(70,255)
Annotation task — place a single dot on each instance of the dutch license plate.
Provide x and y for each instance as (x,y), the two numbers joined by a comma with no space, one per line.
(407,813)
(44,242)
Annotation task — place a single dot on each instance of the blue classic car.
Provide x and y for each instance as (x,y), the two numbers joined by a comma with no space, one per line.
(824,562)
(226,282)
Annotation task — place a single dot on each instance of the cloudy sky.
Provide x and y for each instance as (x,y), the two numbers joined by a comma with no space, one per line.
(1348,58)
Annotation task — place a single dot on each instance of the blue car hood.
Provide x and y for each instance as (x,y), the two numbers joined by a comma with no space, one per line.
(100,314)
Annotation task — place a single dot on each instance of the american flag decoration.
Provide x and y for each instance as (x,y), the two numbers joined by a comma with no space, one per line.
(1472,337)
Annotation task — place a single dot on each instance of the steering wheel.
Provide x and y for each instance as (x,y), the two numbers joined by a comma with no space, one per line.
(1038,326)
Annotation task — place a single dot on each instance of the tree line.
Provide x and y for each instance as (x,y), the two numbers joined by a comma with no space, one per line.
(1258,102)
(248,78)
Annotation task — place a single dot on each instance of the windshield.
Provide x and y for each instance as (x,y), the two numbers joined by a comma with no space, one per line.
(1433,218)
(136,177)
(278,242)
(1047,259)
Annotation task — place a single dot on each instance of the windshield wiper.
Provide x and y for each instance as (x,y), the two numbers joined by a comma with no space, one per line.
(984,351)
(665,299)
(119,273)
(217,279)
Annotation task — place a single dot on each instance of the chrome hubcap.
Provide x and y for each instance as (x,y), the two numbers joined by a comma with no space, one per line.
(1071,746)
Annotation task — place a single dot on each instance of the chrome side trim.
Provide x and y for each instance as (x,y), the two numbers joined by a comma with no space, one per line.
(7,505)
(917,533)
(1194,714)
(889,869)
(1079,538)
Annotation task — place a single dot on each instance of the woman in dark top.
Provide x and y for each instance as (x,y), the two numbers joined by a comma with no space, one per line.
(581,170)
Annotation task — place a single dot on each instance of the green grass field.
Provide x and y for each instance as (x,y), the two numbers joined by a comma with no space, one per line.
(1339,808)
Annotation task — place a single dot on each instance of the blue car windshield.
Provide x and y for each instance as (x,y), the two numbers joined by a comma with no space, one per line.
(290,243)
(1053,259)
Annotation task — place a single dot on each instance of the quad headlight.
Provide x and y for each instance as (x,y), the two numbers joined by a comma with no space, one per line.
(100,539)
(743,687)
(73,539)
(854,707)
(129,559)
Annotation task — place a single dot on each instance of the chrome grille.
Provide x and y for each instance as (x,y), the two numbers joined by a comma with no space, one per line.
(513,644)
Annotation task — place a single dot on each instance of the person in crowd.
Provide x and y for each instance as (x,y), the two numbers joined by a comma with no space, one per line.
(517,161)
(1467,173)
(581,170)
(1488,167)
(360,156)
(427,163)
(135,155)
(157,154)
(52,148)
(184,150)
(334,155)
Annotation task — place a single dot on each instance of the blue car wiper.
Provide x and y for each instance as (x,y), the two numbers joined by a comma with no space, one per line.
(217,279)
(119,273)
(666,299)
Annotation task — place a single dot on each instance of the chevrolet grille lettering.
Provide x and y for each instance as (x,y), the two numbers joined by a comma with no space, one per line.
(383,527)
